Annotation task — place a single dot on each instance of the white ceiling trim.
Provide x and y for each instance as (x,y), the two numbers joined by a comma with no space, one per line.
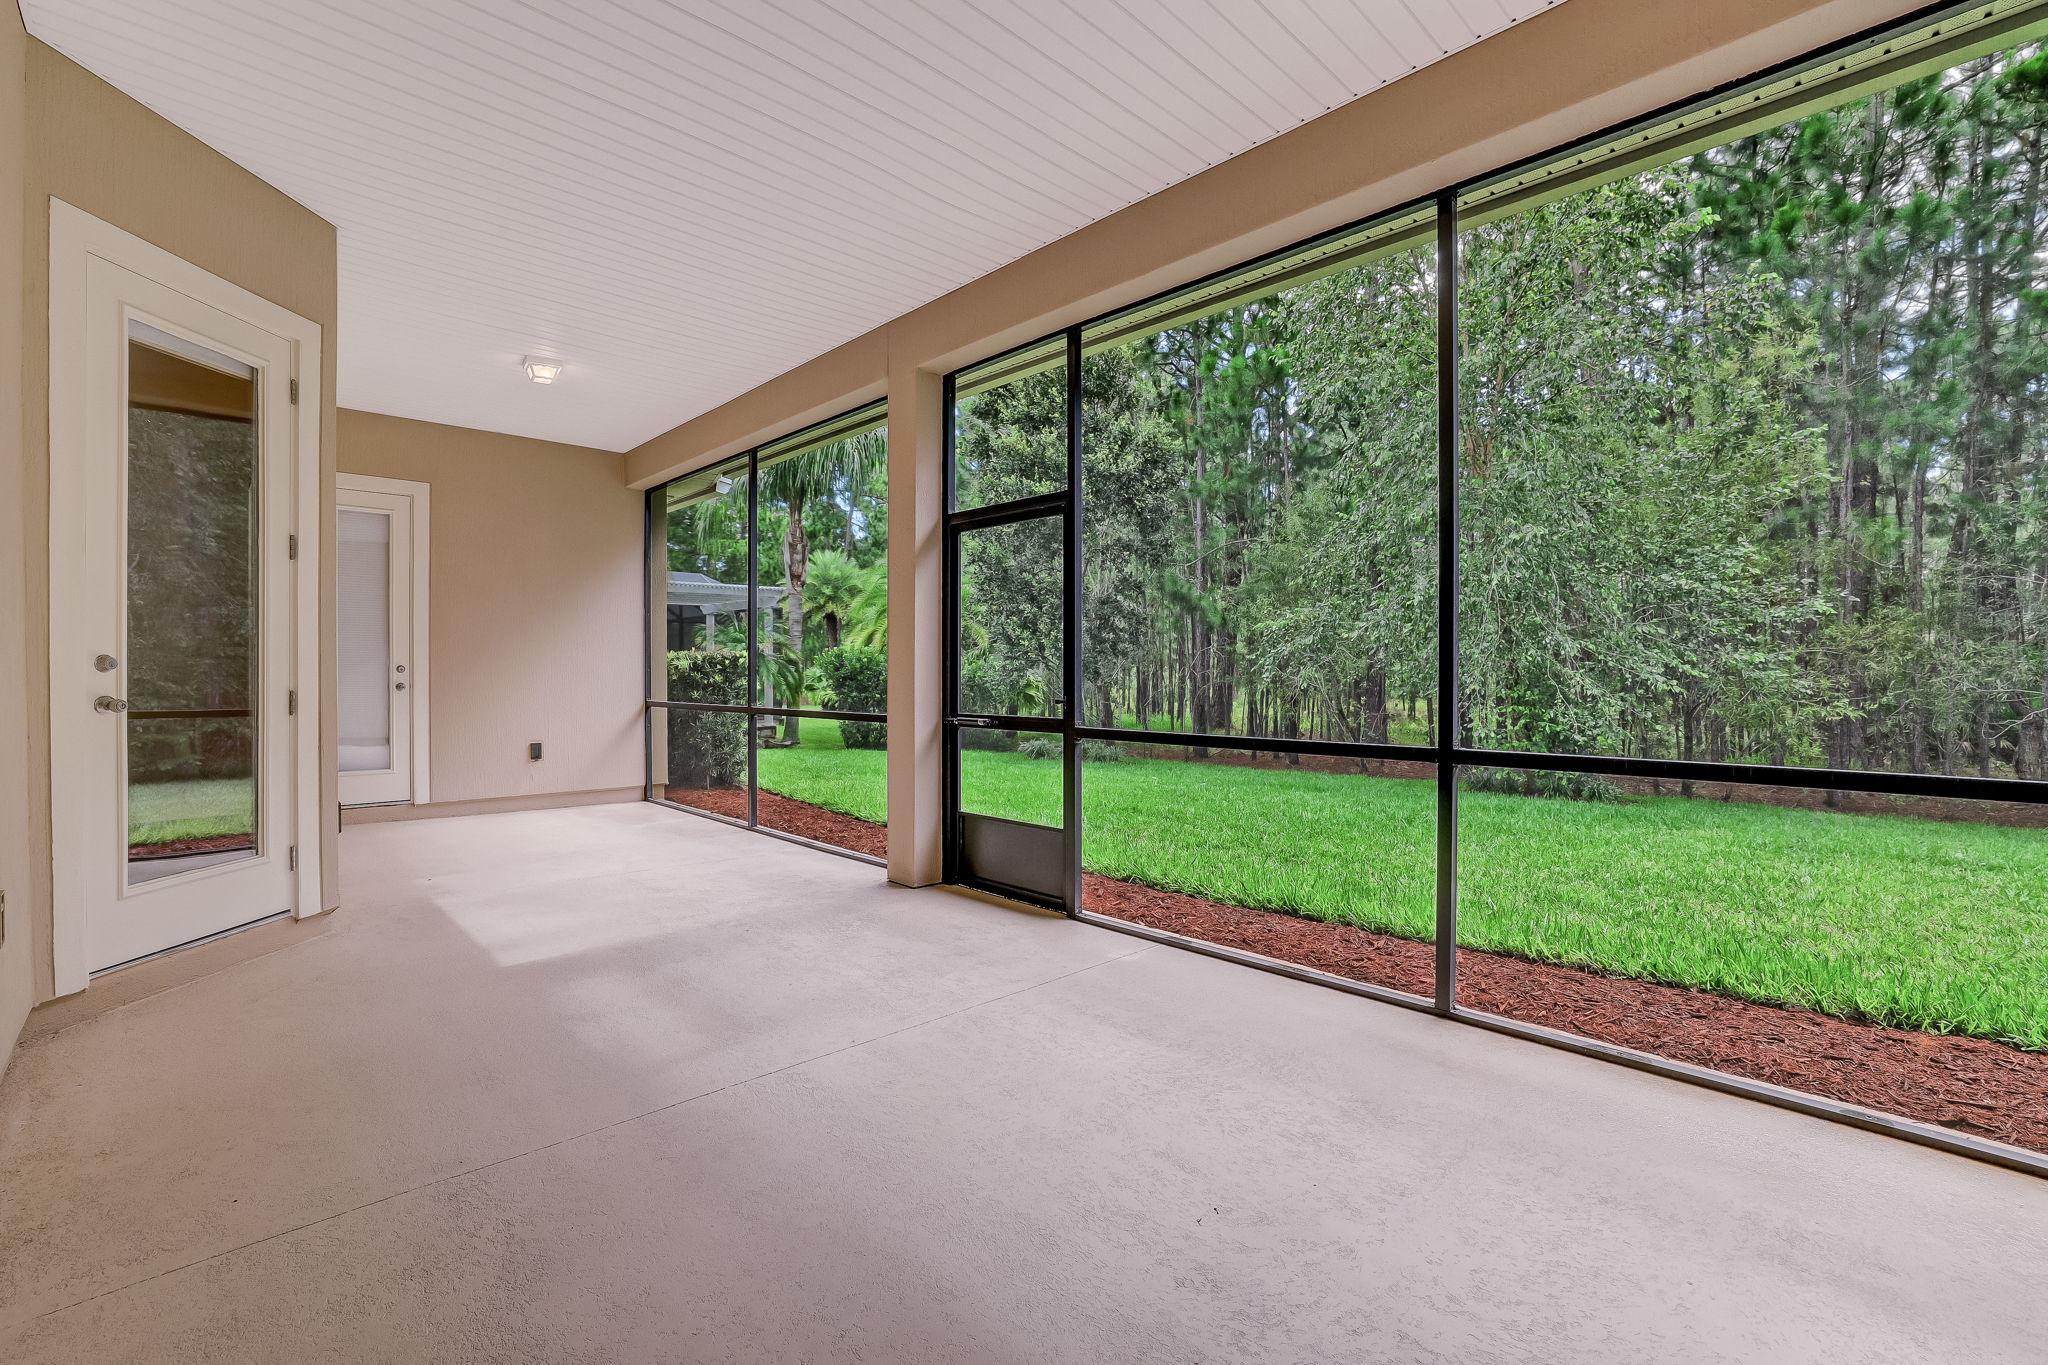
(682,199)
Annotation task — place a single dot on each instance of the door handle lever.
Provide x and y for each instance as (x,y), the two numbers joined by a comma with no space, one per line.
(109,706)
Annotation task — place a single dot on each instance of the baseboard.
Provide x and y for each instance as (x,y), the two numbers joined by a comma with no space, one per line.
(154,975)
(489,805)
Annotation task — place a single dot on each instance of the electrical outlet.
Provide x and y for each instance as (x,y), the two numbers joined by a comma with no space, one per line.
(533,753)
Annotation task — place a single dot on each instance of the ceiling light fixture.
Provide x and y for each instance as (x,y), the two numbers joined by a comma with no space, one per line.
(540,369)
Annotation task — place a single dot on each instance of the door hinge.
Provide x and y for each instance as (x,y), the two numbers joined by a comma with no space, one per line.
(291,703)
(292,859)
(291,547)
(295,391)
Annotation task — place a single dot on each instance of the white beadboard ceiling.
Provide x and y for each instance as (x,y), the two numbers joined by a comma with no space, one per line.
(684,198)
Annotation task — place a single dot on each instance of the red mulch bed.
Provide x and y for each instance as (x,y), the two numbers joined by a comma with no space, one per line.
(1968,1085)
(791,817)
(217,843)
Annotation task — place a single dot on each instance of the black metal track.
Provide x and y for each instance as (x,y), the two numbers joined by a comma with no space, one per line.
(647,627)
(1003,513)
(1338,748)
(753,634)
(949,647)
(1766,775)
(1449,708)
(1073,705)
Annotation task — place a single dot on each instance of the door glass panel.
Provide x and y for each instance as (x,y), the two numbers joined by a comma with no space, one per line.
(1011,626)
(362,566)
(190,664)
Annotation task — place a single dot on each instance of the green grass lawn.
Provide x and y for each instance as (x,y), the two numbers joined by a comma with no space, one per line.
(824,772)
(164,812)
(1914,923)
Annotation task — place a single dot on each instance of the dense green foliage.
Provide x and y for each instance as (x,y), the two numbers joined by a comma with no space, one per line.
(1909,922)
(191,592)
(706,748)
(823,569)
(856,678)
(1752,461)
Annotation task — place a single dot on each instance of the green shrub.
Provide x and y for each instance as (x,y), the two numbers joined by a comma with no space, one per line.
(715,675)
(188,750)
(707,749)
(989,690)
(1092,750)
(1540,782)
(856,678)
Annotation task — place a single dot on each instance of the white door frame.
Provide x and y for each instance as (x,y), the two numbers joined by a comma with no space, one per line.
(76,237)
(420,496)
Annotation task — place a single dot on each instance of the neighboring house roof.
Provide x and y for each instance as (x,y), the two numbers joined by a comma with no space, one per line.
(715,598)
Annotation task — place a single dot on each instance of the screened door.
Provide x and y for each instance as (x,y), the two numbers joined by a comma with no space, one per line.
(1010,756)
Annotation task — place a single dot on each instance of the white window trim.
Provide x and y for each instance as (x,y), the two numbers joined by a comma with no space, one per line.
(75,237)
(421,682)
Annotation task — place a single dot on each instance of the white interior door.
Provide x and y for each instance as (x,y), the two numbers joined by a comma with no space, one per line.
(172,600)
(379,641)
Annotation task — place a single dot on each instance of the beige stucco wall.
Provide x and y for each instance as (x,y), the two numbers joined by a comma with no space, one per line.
(17,960)
(90,145)
(535,592)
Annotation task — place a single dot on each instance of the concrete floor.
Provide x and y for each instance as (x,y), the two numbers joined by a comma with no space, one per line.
(618,1084)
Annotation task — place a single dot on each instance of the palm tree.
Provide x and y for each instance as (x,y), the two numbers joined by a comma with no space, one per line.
(851,600)
(826,471)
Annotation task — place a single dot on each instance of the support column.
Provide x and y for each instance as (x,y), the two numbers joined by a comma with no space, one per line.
(917,494)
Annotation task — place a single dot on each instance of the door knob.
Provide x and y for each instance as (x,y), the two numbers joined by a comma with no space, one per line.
(109,705)
(106,663)
(401,687)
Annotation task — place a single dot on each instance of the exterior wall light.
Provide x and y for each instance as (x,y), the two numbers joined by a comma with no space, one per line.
(723,484)
(541,370)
